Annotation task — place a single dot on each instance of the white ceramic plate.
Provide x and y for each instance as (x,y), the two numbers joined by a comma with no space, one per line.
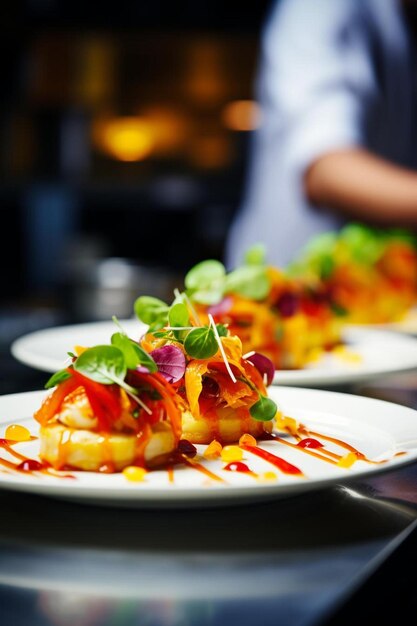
(369,354)
(380,430)
(48,349)
(407,325)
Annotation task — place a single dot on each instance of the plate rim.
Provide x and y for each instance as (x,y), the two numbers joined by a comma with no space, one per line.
(19,350)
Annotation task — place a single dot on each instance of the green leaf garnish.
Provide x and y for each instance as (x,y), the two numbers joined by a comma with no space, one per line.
(106,365)
(204,274)
(103,364)
(151,311)
(338,309)
(205,282)
(222,330)
(264,409)
(201,343)
(134,354)
(256,255)
(57,378)
(249,281)
(178,317)
(326,266)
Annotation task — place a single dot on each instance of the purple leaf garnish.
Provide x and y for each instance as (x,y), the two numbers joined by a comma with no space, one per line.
(221,308)
(170,361)
(263,365)
(288,304)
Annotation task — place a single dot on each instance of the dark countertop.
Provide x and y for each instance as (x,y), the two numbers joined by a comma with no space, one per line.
(302,560)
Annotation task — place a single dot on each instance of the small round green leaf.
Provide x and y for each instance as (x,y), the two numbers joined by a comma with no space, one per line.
(264,409)
(178,315)
(133,353)
(249,281)
(149,309)
(201,343)
(103,364)
(256,255)
(205,275)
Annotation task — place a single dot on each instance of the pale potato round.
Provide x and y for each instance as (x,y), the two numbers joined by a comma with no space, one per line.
(87,450)
(227,429)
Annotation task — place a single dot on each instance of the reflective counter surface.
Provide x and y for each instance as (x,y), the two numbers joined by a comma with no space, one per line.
(301,560)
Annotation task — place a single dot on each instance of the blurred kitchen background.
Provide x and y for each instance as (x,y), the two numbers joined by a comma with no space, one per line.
(124,136)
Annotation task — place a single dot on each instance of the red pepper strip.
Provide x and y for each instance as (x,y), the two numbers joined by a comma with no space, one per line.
(168,394)
(52,403)
(103,399)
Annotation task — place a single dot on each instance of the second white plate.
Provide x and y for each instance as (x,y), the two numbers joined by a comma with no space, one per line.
(368,354)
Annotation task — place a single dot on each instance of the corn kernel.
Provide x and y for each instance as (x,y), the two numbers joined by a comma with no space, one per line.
(231,453)
(268,476)
(284,422)
(17,433)
(348,460)
(247,440)
(134,474)
(213,450)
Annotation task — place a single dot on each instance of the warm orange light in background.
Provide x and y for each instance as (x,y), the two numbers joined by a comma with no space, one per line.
(205,80)
(170,128)
(124,138)
(210,152)
(243,115)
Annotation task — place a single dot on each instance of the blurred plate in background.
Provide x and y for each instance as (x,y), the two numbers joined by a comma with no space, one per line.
(367,354)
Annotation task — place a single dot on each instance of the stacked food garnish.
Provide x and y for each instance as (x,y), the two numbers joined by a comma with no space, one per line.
(133,403)
(368,274)
(282,317)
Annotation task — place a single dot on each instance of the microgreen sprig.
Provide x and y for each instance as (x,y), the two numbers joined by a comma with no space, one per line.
(208,282)
(107,365)
(263,409)
(200,342)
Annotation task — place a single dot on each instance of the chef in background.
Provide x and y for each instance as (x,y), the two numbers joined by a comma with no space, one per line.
(337,140)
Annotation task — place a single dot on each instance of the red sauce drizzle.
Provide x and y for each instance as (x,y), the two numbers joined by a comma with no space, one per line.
(277,461)
(331,460)
(346,446)
(237,466)
(26,465)
(309,443)
(186,452)
(30,465)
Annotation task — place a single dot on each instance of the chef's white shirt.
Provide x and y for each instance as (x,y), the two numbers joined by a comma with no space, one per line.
(333,74)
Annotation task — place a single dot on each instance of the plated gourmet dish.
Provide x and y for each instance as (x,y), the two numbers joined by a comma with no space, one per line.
(284,318)
(130,403)
(369,274)
(182,410)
